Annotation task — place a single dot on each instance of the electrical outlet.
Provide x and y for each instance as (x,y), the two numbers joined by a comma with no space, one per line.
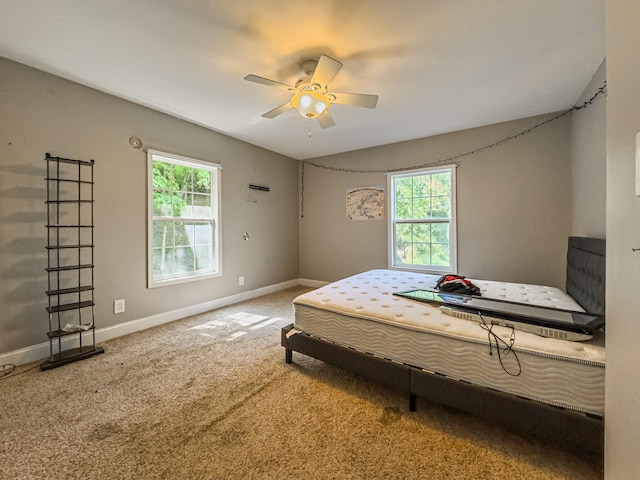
(241,281)
(118,306)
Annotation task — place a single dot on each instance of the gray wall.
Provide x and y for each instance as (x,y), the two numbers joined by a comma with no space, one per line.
(622,408)
(42,113)
(513,203)
(588,162)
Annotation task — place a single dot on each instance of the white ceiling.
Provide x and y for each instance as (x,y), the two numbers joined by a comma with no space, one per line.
(437,65)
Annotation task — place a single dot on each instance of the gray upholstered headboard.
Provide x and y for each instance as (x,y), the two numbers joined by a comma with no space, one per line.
(586,268)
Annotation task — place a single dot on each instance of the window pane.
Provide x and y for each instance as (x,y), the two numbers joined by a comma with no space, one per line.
(440,256)
(162,203)
(403,242)
(203,233)
(441,207)
(184,234)
(203,258)
(202,200)
(421,207)
(163,261)
(441,183)
(421,254)
(403,187)
(157,262)
(440,233)
(403,209)
(201,206)
(421,186)
(183,178)
(404,233)
(162,233)
(202,181)
(421,232)
(186,212)
(184,260)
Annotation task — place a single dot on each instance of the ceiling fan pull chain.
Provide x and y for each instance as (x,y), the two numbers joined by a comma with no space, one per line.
(309,128)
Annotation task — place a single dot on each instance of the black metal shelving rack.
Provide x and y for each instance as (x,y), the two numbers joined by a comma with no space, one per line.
(70,268)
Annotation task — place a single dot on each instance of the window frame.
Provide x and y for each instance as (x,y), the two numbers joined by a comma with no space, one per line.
(216,209)
(391,208)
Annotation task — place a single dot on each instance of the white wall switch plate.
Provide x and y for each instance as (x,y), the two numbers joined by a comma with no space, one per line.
(118,306)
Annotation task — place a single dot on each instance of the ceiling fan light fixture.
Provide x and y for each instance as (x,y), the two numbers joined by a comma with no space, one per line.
(311,95)
(310,104)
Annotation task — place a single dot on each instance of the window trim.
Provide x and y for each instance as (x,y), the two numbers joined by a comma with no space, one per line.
(216,183)
(453,238)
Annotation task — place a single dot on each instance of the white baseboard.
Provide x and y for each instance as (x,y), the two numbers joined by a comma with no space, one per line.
(311,283)
(41,351)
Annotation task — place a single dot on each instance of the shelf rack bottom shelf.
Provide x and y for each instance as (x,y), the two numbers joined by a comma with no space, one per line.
(70,356)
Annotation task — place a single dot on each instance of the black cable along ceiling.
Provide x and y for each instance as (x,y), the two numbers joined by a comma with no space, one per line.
(449,159)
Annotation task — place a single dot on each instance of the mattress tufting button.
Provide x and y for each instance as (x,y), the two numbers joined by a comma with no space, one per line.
(373,299)
(446,324)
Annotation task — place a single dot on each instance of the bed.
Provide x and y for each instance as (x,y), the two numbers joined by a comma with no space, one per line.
(549,388)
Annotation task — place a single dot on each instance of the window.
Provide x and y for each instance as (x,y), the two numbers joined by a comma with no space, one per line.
(183,219)
(422,233)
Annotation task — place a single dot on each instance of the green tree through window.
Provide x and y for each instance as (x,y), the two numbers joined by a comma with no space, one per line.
(422,226)
(184,212)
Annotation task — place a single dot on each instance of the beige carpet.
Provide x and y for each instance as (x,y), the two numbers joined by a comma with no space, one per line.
(210,397)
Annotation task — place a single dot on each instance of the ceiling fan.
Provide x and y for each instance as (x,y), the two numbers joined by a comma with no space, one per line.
(311,96)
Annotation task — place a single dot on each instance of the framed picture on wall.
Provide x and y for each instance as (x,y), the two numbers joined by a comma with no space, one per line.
(365,203)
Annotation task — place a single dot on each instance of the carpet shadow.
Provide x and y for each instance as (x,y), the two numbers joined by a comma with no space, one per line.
(447,420)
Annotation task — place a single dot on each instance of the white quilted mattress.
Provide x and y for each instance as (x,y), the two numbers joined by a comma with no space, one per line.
(361,312)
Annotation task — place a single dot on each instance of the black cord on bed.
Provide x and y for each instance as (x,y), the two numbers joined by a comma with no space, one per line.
(508,347)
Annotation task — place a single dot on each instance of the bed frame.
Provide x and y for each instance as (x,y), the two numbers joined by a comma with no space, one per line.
(568,429)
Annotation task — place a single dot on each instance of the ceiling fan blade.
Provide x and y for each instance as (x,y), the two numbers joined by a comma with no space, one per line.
(325,70)
(356,99)
(278,110)
(268,83)
(326,120)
